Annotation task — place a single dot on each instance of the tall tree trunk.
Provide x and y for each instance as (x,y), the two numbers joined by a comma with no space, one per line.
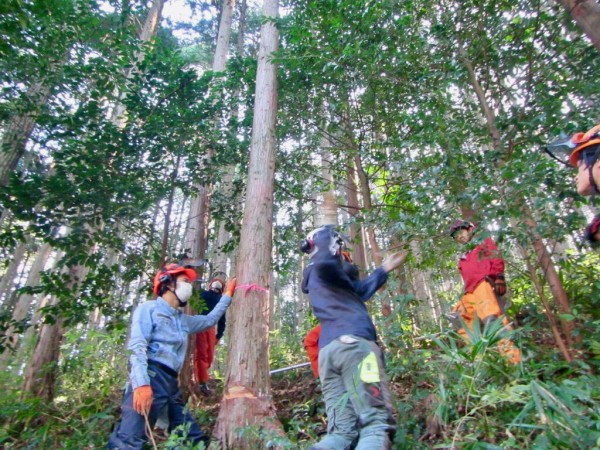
(146,34)
(241,29)
(40,375)
(20,127)
(247,398)
(219,64)
(587,15)
(367,204)
(358,249)
(560,343)
(8,279)
(24,302)
(197,239)
(328,209)
(365,190)
(165,235)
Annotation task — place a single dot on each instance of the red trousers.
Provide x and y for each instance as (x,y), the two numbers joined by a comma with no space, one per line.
(204,353)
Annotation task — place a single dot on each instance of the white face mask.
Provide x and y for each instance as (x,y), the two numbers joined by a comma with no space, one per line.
(183,292)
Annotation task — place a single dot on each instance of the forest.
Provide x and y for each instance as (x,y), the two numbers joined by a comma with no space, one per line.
(140,133)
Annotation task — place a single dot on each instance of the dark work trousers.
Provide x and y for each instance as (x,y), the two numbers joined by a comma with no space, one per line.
(130,431)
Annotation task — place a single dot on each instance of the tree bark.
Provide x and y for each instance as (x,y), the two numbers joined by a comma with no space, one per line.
(8,279)
(587,15)
(560,343)
(247,398)
(148,31)
(24,302)
(219,64)
(367,204)
(20,127)
(40,375)
(328,209)
(358,249)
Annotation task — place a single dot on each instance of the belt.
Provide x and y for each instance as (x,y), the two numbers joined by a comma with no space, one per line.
(164,368)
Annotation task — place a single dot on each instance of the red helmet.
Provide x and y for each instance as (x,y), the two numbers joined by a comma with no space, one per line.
(168,273)
(460,224)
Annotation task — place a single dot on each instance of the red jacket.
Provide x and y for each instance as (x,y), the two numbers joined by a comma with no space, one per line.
(484,260)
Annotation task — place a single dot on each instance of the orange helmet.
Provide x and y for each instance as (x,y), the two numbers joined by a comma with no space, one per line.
(579,146)
(168,274)
(583,141)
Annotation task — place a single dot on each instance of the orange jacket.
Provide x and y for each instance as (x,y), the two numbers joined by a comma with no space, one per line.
(311,344)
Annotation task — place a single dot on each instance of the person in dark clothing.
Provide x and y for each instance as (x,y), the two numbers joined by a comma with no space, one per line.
(353,380)
(206,341)
(311,341)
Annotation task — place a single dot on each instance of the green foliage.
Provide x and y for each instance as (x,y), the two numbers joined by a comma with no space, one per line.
(86,403)
(479,401)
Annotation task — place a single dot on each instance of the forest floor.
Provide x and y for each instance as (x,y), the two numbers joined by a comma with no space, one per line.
(298,401)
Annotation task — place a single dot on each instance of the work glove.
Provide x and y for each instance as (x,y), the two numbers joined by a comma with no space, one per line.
(230,288)
(500,285)
(142,399)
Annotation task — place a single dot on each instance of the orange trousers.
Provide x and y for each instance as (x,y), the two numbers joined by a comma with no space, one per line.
(311,345)
(204,353)
(482,303)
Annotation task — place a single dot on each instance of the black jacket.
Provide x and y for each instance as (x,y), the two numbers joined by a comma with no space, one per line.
(211,298)
(338,301)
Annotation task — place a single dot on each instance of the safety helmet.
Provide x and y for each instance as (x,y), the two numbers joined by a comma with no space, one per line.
(580,146)
(169,273)
(459,225)
(587,145)
(216,284)
(321,238)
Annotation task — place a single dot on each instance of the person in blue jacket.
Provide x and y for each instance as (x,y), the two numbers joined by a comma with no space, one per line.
(353,381)
(157,345)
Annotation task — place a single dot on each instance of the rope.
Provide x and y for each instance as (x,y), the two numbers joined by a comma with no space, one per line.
(149,430)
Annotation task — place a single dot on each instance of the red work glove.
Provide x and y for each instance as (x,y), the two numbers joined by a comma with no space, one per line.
(142,399)
(500,285)
(230,287)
